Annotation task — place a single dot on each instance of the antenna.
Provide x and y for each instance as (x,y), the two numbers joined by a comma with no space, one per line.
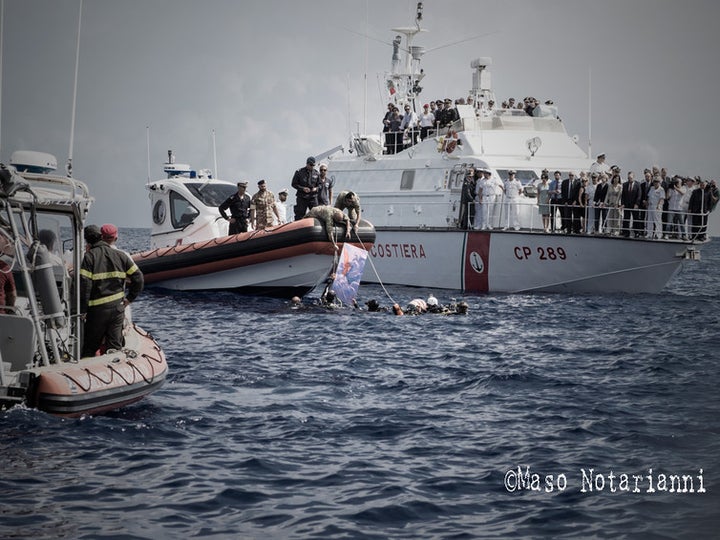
(215,170)
(68,166)
(589,112)
(147,138)
(2,28)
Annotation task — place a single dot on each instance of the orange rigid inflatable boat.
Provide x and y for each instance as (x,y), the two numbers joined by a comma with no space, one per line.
(191,248)
(41,329)
(103,383)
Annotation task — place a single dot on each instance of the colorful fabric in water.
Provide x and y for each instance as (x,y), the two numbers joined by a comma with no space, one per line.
(348,273)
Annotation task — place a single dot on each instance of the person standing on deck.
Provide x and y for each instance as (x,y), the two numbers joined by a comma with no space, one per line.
(305,181)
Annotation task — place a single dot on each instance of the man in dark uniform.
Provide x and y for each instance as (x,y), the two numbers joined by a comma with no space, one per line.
(467,197)
(103,273)
(305,181)
(239,205)
(566,187)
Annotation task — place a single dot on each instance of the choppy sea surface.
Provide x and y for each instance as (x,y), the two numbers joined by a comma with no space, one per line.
(521,419)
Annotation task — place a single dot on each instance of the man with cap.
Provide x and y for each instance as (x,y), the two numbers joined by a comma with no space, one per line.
(239,206)
(513,190)
(305,182)
(600,166)
(262,207)
(281,207)
(102,290)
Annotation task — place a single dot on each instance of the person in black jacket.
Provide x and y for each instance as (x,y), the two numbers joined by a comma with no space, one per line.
(630,203)
(103,298)
(601,210)
(306,181)
(239,205)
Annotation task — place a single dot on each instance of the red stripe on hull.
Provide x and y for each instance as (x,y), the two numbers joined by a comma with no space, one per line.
(477,262)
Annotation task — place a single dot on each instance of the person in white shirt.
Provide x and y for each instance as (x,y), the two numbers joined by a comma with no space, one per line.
(427,121)
(409,124)
(281,207)
(685,205)
(655,200)
(513,189)
(675,193)
(600,166)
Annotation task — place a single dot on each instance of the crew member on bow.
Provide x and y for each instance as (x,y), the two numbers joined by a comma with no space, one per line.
(306,181)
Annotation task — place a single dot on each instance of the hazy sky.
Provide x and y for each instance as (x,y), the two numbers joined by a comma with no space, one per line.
(280,80)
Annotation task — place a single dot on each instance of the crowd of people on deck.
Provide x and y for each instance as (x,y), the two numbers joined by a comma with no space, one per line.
(597,201)
(402,130)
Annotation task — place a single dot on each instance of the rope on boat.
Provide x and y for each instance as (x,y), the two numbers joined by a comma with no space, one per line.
(375,270)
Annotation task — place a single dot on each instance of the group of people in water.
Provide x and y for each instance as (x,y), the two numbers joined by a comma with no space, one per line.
(417,306)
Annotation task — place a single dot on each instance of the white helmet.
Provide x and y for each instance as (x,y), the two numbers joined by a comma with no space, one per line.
(432,301)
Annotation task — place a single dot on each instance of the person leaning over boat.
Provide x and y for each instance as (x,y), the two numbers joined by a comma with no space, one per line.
(305,181)
(350,200)
(329,215)
(239,205)
(102,292)
(262,207)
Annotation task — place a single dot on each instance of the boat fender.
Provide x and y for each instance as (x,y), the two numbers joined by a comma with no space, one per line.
(45,285)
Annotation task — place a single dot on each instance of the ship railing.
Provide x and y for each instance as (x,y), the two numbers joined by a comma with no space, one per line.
(523,214)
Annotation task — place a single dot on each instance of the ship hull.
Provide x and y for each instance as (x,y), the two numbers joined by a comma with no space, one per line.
(102,383)
(516,262)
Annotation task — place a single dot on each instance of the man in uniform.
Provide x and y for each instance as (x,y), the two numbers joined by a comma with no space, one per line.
(102,292)
(262,207)
(305,181)
(281,207)
(350,200)
(238,204)
(329,216)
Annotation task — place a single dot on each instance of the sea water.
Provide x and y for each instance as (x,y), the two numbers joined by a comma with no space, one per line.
(559,416)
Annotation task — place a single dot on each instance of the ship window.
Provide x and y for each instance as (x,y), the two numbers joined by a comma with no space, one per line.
(182,213)
(211,194)
(158,213)
(408,180)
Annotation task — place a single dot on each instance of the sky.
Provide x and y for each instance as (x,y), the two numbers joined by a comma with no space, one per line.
(276,81)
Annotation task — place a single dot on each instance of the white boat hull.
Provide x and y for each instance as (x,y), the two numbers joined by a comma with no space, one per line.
(296,273)
(509,261)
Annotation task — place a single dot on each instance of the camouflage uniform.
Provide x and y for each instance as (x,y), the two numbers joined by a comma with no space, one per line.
(263,203)
(329,216)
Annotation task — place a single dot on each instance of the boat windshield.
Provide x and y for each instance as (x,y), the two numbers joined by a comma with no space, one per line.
(211,194)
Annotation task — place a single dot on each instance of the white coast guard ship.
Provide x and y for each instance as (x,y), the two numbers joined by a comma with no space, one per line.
(413,199)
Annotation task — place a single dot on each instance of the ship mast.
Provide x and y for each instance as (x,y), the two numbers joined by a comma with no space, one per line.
(403,83)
